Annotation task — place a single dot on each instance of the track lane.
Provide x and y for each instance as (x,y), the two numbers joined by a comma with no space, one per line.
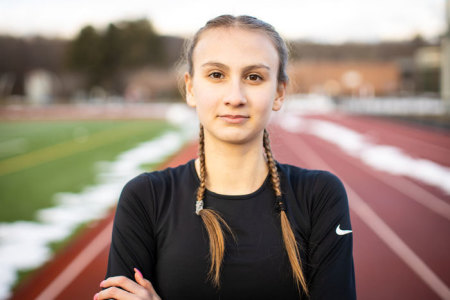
(41,279)
(380,274)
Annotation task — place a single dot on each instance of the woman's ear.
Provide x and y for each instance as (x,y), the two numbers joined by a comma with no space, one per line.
(190,100)
(281,93)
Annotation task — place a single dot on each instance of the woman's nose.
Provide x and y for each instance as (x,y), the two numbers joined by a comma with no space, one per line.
(235,95)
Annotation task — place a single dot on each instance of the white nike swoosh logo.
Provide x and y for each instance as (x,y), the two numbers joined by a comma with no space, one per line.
(339,231)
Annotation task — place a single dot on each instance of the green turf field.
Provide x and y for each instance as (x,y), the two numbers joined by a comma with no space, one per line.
(39,159)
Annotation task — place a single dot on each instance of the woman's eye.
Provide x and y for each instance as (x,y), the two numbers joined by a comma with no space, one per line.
(216,75)
(254,77)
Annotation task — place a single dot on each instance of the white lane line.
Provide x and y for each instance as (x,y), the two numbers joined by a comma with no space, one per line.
(80,262)
(411,190)
(397,245)
(378,226)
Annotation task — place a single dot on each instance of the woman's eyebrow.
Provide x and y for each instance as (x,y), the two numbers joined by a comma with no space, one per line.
(245,69)
(215,64)
(257,66)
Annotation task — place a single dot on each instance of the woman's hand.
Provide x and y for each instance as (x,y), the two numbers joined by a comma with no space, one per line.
(123,288)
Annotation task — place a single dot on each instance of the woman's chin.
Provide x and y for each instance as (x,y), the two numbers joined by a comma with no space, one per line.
(236,136)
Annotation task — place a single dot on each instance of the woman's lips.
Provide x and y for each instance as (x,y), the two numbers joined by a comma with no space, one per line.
(234,119)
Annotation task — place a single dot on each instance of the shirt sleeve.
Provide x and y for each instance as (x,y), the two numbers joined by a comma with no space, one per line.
(133,242)
(331,270)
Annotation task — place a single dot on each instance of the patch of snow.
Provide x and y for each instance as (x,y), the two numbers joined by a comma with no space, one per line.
(24,245)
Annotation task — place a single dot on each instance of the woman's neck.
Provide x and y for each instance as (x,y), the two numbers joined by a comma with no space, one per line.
(234,169)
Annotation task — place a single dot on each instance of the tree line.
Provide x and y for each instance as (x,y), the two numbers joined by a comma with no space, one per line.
(96,57)
(104,57)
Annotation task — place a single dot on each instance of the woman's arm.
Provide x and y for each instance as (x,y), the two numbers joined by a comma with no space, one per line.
(132,243)
(331,270)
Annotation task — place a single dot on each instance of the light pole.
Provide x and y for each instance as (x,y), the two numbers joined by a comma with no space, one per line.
(445,59)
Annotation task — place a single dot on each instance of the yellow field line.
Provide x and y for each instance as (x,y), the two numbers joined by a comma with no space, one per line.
(65,149)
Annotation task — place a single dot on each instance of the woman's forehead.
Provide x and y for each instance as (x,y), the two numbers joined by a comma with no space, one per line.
(235,46)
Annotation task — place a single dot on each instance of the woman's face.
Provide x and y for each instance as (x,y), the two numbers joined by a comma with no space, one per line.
(234,84)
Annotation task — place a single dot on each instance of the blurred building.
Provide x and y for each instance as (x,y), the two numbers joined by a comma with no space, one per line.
(39,86)
(427,62)
(150,85)
(345,78)
(445,65)
(390,68)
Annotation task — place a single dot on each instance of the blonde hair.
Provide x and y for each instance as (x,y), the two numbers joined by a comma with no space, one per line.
(212,220)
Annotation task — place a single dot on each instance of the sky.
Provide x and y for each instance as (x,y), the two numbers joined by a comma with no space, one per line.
(331,21)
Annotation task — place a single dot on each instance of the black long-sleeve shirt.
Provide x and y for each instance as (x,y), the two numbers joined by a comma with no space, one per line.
(157,231)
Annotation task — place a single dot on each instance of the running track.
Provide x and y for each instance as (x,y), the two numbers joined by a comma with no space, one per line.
(400,225)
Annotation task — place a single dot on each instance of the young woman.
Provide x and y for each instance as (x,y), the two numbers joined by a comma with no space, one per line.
(234,223)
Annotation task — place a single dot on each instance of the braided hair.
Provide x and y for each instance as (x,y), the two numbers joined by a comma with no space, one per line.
(214,223)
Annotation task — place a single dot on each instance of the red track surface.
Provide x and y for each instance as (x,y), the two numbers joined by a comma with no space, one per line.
(401,245)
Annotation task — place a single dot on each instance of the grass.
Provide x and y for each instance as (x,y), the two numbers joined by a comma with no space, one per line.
(39,159)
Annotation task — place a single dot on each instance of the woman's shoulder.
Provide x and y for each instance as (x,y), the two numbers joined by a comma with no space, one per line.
(160,179)
(316,177)
(151,193)
(315,187)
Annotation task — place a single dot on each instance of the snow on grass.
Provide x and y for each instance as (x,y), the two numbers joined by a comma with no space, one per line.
(25,245)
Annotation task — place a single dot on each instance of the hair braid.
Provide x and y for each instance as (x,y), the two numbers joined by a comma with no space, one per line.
(288,235)
(201,156)
(211,219)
